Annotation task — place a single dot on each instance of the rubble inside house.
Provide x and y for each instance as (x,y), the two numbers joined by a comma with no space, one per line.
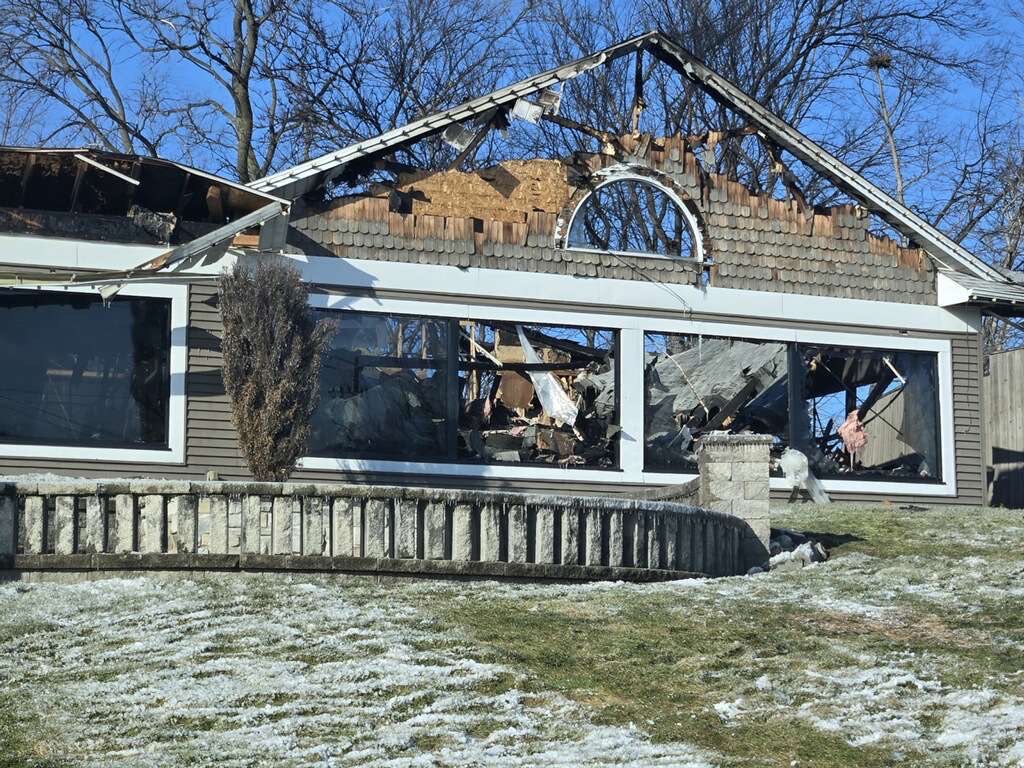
(846,415)
(520,394)
(530,396)
(859,414)
(715,384)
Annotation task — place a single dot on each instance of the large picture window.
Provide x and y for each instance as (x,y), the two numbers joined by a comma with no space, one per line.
(855,413)
(383,389)
(409,388)
(76,372)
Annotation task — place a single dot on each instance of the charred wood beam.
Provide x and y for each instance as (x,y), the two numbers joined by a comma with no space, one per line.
(496,118)
(26,174)
(789,179)
(638,91)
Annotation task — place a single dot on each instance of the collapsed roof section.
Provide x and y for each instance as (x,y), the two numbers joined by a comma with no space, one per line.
(495,109)
(113,197)
(134,198)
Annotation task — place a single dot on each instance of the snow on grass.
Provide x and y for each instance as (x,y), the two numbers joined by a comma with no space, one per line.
(247,671)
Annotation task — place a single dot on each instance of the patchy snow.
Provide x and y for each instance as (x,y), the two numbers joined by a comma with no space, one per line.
(251,671)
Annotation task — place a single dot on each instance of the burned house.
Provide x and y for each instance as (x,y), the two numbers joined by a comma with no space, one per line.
(573,322)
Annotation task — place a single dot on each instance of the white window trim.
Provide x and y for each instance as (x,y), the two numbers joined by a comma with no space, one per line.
(175,452)
(631,393)
(696,237)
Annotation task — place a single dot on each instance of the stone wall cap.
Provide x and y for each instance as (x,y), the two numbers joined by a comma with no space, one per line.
(725,438)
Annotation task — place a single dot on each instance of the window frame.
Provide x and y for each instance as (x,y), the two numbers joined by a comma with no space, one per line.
(688,215)
(453,400)
(802,340)
(630,329)
(174,452)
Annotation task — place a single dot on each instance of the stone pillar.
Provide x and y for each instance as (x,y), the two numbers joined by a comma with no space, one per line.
(434,531)
(594,539)
(122,538)
(544,541)
(151,524)
(517,520)
(734,480)
(31,530)
(615,539)
(570,536)
(64,525)
(282,525)
(8,533)
(490,532)
(405,527)
(214,525)
(314,528)
(252,513)
(376,528)
(92,537)
(342,542)
(462,532)
(181,524)
(639,539)
(671,533)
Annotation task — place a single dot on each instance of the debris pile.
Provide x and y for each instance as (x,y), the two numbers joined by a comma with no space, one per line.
(534,397)
(714,384)
(791,550)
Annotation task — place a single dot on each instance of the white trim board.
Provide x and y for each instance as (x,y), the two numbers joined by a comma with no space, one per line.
(65,253)
(631,397)
(175,453)
(633,297)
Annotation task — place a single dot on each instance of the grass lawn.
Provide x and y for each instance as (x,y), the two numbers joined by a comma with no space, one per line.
(906,648)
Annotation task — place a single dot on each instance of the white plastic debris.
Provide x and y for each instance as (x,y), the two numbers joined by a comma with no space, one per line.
(553,399)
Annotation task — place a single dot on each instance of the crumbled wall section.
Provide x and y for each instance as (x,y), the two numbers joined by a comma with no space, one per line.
(507,217)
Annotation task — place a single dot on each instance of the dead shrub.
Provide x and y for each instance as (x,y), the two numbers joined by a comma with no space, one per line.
(272,350)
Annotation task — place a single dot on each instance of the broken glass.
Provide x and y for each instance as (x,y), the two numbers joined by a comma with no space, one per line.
(869,413)
(632,216)
(537,394)
(698,384)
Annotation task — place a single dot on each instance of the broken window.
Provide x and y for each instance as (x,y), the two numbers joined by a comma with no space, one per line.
(538,394)
(76,372)
(633,216)
(698,384)
(383,388)
(412,388)
(850,407)
(868,413)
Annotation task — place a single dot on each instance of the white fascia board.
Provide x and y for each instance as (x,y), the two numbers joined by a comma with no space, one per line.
(175,452)
(629,296)
(68,253)
(950,292)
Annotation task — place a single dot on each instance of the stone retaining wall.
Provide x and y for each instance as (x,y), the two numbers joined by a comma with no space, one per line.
(170,525)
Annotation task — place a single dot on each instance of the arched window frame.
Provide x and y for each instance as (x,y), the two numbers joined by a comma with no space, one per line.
(689,216)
